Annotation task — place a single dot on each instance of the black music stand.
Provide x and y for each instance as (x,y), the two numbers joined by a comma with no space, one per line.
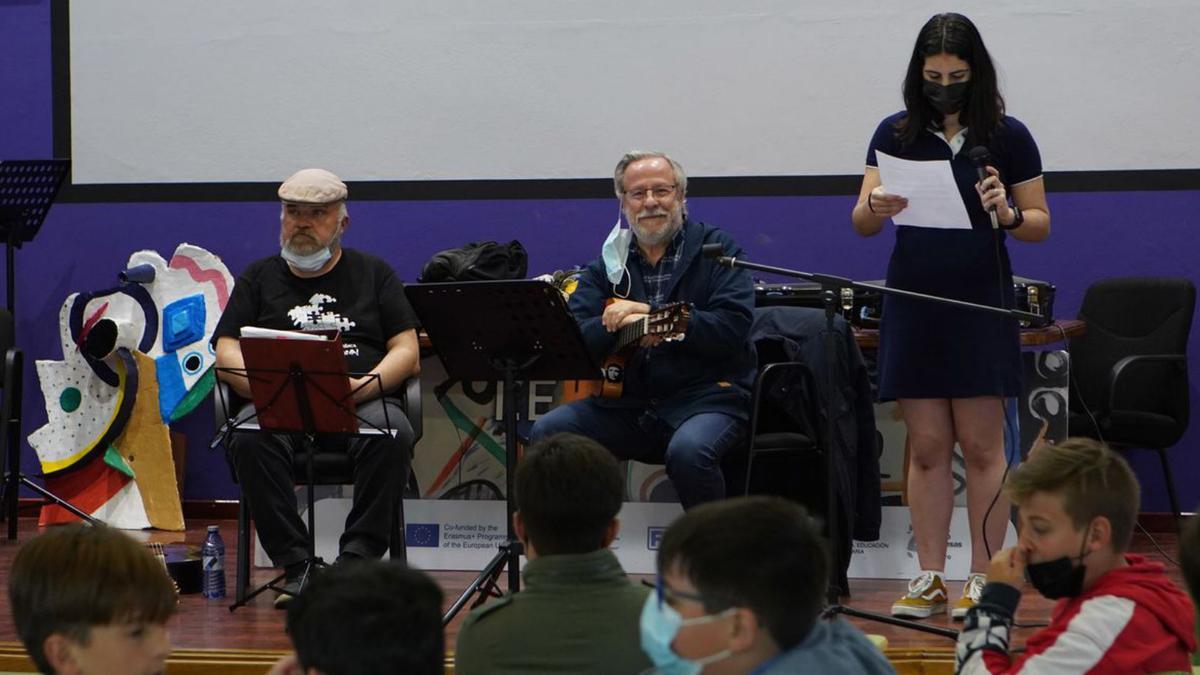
(27,190)
(517,329)
(300,388)
(831,286)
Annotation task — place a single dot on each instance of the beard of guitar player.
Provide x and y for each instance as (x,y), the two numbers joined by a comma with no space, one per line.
(656,225)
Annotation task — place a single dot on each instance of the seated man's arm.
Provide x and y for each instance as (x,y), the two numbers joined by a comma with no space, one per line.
(229,355)
(241,310)
(402,360)
(587,306)
(722,325)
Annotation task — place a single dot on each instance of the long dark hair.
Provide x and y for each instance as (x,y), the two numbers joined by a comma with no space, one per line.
(982,114)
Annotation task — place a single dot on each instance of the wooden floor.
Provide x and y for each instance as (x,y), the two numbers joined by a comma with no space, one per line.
(208,625)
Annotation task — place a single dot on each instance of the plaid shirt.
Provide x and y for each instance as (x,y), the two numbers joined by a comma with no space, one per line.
(657,278)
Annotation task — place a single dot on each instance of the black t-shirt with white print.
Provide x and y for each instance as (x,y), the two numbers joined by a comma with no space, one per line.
(360,296)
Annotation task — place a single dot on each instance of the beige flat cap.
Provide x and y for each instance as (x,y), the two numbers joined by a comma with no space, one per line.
(313,186)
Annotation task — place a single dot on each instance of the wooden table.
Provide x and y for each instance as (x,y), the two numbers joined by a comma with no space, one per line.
(868,338)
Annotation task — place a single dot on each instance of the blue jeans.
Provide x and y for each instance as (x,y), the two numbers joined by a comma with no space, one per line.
(692,452)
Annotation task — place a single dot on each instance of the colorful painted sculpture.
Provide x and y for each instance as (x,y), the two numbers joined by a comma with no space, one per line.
(135,358)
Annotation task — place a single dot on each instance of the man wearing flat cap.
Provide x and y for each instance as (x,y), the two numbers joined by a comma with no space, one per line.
(315,284)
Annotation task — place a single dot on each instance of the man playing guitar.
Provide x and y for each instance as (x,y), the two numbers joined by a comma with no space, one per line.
(680,321)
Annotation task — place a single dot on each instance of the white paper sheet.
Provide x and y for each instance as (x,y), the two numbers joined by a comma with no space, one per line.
(933,196)
(256,332)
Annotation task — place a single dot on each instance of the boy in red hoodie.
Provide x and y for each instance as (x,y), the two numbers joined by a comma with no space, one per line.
(1117,612)
(1189,559)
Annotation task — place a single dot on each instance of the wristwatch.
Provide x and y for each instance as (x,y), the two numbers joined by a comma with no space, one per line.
(1018,218)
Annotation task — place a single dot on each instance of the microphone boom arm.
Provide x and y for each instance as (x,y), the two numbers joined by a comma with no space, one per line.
(830,281)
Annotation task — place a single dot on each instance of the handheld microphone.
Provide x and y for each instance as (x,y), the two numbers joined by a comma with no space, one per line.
(980,157)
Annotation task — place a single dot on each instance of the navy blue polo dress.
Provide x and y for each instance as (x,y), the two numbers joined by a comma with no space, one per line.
(936,351)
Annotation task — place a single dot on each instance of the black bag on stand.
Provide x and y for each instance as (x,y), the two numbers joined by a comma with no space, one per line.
(477,261)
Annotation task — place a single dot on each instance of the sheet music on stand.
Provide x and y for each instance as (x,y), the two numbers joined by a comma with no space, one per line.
(299,384)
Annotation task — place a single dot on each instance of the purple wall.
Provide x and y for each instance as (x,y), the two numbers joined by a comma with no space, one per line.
(81,246)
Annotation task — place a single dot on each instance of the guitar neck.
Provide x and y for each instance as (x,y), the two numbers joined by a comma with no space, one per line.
(627,335)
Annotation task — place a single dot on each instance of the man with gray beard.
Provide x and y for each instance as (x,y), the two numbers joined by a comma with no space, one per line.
(684,404)
(314,283)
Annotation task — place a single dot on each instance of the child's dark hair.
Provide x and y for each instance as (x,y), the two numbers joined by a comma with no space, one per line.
(75,577)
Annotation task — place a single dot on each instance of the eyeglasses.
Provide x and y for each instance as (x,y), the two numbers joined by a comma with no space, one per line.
(659,193)
(663,591)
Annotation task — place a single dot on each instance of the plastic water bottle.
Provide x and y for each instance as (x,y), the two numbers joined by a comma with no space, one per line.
(212,555)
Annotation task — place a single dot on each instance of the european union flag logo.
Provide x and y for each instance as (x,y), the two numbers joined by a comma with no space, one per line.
(654,537)
(422,534)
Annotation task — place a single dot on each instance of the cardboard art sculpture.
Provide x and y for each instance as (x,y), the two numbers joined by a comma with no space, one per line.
(135,358)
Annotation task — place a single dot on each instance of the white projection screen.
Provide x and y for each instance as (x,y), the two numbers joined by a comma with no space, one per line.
(397,90)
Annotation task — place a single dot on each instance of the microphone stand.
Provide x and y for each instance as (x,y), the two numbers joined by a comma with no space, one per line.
(831,286)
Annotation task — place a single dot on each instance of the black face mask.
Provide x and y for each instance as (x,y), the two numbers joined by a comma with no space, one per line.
(946,99)
(1058,578)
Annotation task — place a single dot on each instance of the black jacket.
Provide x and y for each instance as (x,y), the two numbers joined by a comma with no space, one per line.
(798,332)
(712,368)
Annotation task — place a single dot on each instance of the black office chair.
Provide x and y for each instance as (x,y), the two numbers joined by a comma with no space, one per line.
(781,414)
(789,424)
(1129,370)
(329,468)
(10,419)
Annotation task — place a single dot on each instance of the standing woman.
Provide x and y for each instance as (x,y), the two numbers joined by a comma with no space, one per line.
(950,369)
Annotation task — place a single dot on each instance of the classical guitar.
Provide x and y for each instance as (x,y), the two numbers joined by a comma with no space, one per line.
(183,564)
(668,322)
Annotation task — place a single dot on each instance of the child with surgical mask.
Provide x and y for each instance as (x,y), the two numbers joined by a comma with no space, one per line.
(1117,612)
(740,589)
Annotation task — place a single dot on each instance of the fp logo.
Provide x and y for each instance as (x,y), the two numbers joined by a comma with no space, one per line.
(654,537)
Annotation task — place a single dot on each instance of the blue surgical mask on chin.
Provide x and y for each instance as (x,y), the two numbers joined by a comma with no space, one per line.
(660,623)
(310,262)
(616,251)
